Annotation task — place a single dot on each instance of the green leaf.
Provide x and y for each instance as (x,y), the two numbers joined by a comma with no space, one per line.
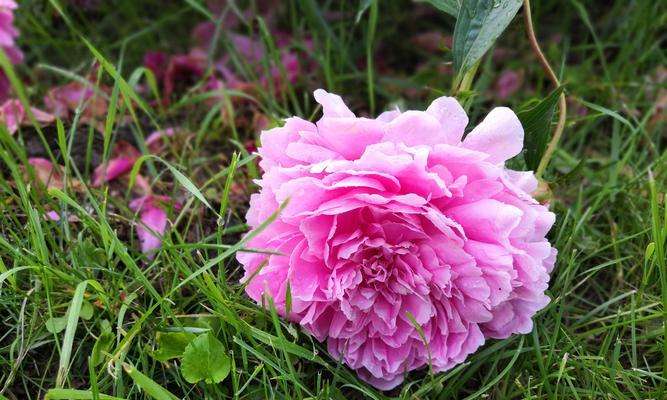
(536,122)
(73,314)
(86,311)
(148,385)
(363,6)
(73,394)
(178,175)
(102,345)
(205,359)
(56,324)
(478,25)
(170,345)
(450,7)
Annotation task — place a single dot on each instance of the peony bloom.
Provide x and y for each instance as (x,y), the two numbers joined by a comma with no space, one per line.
(7,36)
(394,220)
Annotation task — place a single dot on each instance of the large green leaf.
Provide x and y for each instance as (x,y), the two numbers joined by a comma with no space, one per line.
(536,122)
(478,25)
(170,345)
(451,7)
(205,359)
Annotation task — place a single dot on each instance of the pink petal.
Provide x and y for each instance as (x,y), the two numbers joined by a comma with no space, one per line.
(452,117)
(332,104)
(500,135)
(415,128)
(350,136)
(153,221)
(12,114)
(122,160)
(155,141)
(487,220)
(47,173)
(115,168)
(53,216)
(43,116)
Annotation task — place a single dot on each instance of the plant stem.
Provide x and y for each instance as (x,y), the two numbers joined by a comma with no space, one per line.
(562,105)
(462,85)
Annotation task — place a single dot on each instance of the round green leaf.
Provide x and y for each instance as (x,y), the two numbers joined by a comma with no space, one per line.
(205,359)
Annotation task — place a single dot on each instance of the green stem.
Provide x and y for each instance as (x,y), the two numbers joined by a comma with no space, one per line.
(372,23)
(463,83)
(562,105)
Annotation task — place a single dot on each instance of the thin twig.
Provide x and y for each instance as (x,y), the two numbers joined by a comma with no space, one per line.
(562,105)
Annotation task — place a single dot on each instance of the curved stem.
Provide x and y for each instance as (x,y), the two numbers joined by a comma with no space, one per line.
(562,105)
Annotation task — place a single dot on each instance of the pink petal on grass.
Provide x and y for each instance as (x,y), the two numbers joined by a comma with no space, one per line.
(13,115)
(122,160)
(115,168)
(155,141)
(54,216)
(7,35)
(65,99)
(152,220)
(47,173)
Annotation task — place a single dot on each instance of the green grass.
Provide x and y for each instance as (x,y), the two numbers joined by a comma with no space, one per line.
(603,335)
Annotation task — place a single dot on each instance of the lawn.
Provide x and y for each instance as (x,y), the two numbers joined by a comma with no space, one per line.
(124,192)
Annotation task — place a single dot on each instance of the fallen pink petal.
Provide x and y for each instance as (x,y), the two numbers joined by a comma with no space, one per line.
(152,220)
(123,158)
(48,173)
(155,141)
(54,216)
(13,115)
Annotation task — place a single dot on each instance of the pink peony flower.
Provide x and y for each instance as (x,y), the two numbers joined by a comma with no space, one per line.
(399,218)
(7,36)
